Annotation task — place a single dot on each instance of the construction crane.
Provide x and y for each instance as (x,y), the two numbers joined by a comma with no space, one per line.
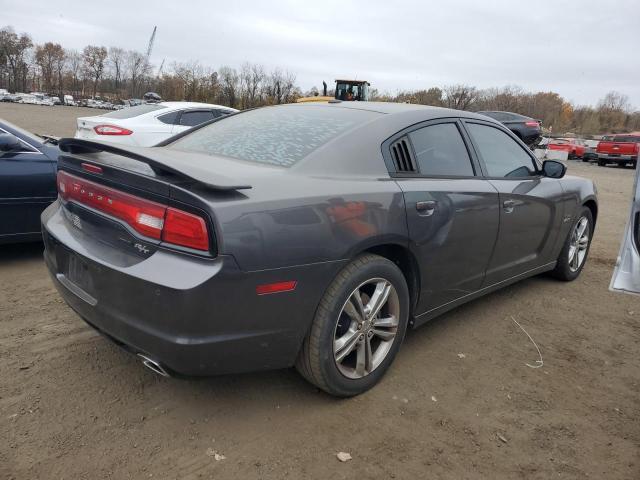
(160,69)
(151,40)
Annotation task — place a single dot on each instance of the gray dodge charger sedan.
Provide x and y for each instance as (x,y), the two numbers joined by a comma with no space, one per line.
(311,235)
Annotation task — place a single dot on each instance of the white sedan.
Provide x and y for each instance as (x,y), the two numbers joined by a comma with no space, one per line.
(148,124)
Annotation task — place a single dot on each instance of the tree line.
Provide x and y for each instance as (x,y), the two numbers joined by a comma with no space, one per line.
(116,73)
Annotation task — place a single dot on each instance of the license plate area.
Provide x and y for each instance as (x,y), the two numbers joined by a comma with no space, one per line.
(76,275)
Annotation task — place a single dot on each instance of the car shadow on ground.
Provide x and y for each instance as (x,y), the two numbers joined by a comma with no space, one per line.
(286,384)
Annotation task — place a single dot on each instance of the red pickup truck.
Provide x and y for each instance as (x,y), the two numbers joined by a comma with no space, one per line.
(574,147)
(621,149)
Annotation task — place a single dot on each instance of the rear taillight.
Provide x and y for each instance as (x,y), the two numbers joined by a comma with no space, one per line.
(146,217)
(532,124)
(111,130)
(186,229)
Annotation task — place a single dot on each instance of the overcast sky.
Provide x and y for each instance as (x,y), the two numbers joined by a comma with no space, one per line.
(580,49)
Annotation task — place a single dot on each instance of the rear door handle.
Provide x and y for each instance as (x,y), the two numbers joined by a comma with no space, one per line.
(426,208)
(508,205)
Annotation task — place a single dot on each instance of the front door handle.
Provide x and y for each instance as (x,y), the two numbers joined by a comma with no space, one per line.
(508,205)
(426,208)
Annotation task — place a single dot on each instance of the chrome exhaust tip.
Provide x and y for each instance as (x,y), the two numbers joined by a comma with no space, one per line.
(153,365)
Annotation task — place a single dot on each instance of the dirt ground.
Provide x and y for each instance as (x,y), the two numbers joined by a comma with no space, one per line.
(74,406)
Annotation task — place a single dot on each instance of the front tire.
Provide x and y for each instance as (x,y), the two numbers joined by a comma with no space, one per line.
(357,329)
(574,253)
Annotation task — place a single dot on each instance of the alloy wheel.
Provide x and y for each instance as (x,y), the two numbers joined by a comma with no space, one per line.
(578,244)
(366,328)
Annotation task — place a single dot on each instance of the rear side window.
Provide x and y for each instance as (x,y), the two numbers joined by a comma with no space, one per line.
(501,154)
(131,112)
(440,150)
(193,118)
(170,118)
(279,136)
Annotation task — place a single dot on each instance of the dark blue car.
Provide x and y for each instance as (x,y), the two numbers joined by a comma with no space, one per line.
(27,182)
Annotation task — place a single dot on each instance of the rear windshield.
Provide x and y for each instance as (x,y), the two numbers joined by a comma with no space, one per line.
(626,139)
(130,112)
(278,136)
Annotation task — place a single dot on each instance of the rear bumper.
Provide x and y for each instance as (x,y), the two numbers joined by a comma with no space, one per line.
(617,158)
(195,317)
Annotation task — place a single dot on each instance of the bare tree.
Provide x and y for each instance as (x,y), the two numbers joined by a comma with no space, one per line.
(14,50)
(50,57)
(137,67)
(229,85)
(116,60)
(94,58)
(460,97)
(613,110)
(74,69)
(252,77)
(191,75)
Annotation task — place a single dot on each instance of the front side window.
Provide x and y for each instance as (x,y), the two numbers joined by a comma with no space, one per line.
(501,154)
(440,150)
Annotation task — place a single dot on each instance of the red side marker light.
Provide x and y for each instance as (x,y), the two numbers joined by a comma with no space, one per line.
(277,287)
(88,167)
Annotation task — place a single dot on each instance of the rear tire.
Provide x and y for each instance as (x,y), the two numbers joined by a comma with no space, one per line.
(574,253)
(346,351)
(601,163)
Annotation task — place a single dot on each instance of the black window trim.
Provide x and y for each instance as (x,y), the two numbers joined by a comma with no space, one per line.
(386,151)
(478,156)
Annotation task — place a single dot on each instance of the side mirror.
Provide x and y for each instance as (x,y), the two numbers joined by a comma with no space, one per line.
(553,169)
(10,143)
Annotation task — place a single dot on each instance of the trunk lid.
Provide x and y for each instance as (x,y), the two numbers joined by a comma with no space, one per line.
(140,199)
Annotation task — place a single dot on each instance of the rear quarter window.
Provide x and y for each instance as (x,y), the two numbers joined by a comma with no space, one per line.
(280,136)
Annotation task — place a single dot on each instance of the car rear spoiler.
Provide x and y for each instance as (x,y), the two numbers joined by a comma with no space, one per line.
(158,159)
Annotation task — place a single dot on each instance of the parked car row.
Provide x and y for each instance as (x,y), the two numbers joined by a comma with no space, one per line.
(37,98)
(620,149)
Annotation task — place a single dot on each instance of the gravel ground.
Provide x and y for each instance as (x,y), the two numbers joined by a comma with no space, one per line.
(458,403)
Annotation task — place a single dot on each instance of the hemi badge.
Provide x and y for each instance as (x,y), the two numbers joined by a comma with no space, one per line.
(88,167)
